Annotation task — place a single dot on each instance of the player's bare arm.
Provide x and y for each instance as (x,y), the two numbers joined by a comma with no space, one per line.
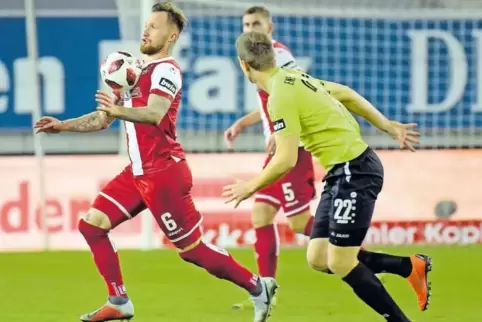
(92,122)
(244,122)
(153,113)
(357,104)
(282,162)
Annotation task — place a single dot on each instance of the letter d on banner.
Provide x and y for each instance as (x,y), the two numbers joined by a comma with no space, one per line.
(419,71)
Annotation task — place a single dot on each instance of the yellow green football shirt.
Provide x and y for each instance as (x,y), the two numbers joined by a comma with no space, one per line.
(300,105)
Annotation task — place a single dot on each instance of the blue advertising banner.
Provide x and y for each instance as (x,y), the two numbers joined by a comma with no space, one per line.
(429,72)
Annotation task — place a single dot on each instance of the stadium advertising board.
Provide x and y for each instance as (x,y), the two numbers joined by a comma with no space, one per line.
(428,71)
(415,184)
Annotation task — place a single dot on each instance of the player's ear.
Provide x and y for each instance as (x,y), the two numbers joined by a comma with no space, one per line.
(244,65)
(174,37)
(270,28)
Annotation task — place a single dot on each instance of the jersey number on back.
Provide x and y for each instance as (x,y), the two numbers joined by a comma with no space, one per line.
(305,82)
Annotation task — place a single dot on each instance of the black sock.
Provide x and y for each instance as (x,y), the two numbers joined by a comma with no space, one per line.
(371,291)
(384,263)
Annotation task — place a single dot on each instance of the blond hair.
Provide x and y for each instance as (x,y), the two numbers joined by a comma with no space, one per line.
(256,49)
(174,14)
(259,9)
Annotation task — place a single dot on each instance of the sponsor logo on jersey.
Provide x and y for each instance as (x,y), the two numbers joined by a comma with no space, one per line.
(167,84)
(136,92)
(279,125)
(289,80)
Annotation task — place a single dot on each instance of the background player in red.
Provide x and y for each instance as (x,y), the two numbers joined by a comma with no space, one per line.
(294,191)
(158,177)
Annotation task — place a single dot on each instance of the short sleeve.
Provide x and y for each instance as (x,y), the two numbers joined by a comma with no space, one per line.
(284,58)
(166,80)
(283,111)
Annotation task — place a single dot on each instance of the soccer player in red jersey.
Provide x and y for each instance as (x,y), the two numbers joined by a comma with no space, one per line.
(292,193)
(158,177)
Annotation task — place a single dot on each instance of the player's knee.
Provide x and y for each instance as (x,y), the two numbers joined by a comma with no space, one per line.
(263,214)
(97,218)
(316,255)
(298,223)
(342,261)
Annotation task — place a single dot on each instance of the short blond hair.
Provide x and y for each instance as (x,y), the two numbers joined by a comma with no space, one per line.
(256,49)
(174,14)
(259,10)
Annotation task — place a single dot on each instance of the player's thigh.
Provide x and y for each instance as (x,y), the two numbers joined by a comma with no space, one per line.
(296,188)
(298,222)
(167,194)
(263,214)
(117,202)
(353,205)
(321,223)
(317,251)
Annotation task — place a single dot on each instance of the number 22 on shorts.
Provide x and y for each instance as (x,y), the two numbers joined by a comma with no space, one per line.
(343,208)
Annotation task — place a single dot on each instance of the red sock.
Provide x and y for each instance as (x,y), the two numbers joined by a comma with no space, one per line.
(309,226)
(105,257)
(267,250)
(220,263)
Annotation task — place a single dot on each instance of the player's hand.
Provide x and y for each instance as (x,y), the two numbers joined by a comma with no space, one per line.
(237,192)
(107,104)
(404,134)
(271,148)
(231,134)
(48,124)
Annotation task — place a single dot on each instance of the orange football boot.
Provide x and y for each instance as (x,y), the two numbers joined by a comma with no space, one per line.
(418,279)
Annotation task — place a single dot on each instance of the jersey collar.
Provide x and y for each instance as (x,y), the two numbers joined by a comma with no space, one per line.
(159,60)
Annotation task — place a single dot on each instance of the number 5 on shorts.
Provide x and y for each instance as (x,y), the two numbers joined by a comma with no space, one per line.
(168,222)
(288,191)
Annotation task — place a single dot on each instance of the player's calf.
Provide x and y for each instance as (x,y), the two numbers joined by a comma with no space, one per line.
(95,227)
(266,245)
(343,261)
(219,263)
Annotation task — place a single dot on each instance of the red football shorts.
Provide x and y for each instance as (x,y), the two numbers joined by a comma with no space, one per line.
(294,192)
(166,193)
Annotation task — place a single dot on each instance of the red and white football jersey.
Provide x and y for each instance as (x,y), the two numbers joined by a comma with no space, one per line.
(150,147)
(284,59)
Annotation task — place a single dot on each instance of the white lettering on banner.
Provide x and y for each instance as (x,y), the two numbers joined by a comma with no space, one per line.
(451,234)
(215,91)
(419,72)
(477,34)
(386,234)
(4,87)
(51,70)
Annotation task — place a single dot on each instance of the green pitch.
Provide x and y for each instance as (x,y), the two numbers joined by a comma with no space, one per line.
(59,286)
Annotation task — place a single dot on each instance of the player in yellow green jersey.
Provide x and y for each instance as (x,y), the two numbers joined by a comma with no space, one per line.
(318,113)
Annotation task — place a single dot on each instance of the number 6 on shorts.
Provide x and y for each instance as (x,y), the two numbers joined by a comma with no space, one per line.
(168,222)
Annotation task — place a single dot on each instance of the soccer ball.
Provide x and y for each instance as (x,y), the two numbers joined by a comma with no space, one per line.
(120,70)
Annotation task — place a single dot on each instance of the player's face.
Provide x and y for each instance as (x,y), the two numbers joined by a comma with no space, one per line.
(158,33)
(256,22)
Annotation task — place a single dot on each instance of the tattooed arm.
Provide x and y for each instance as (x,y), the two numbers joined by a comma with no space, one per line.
(91,122)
